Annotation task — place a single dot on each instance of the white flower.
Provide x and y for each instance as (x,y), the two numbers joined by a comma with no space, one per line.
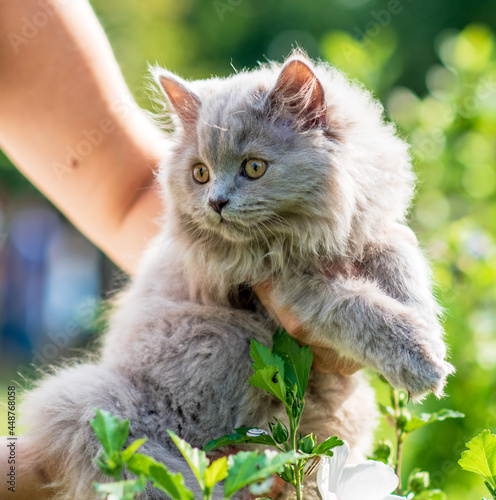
(369,480)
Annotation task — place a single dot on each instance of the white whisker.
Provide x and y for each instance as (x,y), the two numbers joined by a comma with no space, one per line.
(215,126)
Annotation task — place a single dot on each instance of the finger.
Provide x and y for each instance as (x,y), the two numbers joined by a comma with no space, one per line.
(325,359)
(283,314)
(263,296)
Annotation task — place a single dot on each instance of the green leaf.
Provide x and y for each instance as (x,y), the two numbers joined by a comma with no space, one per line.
(271,380)
(481,457)
(197,459)
(109,467)
(262,357)
(248,467)
(171,484)
(240,436)
(110,430)
(215,473)
(132,448)
(416,422)
(297,360)
(121,490)
(269,371)
(431,495)
(326,446)
(491,489)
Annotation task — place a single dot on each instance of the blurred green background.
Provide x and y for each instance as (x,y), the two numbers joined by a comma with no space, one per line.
(433,65)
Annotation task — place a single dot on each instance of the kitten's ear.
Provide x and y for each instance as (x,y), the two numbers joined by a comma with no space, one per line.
(299,93)
(185,102)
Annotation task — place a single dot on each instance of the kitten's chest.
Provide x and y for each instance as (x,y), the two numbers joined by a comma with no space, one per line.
(238,296)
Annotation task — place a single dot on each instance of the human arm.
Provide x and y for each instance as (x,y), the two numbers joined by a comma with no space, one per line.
(56,89)
(69,124)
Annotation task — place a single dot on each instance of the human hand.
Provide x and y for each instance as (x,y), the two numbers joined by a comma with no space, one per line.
(325,359)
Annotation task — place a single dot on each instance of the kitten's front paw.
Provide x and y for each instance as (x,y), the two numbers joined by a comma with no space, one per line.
(420,367)
(428,375)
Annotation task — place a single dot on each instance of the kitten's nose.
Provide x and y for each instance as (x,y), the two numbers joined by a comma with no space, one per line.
(218,204)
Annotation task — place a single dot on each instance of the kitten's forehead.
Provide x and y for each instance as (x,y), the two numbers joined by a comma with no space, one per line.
(229,118)
(234,120)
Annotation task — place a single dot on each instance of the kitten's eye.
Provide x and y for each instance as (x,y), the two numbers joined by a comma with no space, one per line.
(201,173)
(254,168)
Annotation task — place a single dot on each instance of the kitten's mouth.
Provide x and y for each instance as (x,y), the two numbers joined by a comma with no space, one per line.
(232,230)
(242,229)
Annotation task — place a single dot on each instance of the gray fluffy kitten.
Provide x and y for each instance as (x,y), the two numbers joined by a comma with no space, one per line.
(288,174)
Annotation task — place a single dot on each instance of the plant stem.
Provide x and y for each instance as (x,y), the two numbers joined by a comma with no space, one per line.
(397,469)
(399,440)
(297,471)
(296,466)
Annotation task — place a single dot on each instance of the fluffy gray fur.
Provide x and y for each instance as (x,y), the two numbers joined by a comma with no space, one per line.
(324,223)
